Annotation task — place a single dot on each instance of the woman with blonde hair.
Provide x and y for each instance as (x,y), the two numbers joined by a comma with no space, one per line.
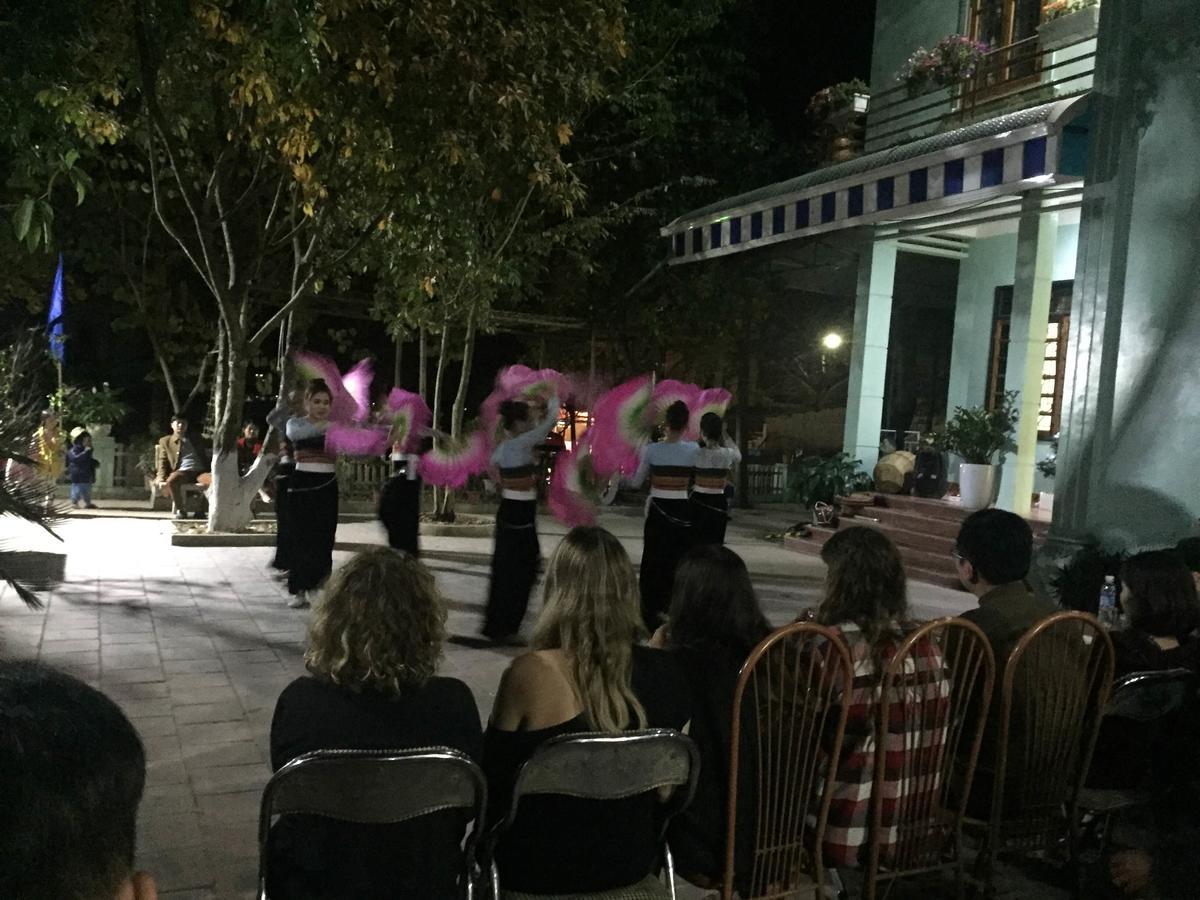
(373,650)
(585,672)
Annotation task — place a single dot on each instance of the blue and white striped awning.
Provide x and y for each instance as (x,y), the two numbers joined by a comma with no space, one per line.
(1003,155)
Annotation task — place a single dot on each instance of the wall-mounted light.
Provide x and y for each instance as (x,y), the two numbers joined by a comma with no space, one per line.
(832,341)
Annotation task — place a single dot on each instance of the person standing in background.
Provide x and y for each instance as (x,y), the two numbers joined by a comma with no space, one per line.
(714,460)
(81,469)
(312,497)
(516,556)
(668,533)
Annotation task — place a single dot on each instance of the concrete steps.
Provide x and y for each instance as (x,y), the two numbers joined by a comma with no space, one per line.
(923,530)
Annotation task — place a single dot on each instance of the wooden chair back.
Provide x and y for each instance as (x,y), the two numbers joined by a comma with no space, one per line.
(788,725)
(929,725)
(1053,695)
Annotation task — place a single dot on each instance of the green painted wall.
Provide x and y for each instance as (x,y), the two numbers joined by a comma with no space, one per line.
(903,25)
(1130,442)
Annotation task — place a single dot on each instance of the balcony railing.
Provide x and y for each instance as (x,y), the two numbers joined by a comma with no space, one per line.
(1008,79)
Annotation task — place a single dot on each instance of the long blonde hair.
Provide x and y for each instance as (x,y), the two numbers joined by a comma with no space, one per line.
(591,614)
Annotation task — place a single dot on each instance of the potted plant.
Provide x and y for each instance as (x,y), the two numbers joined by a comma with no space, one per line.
(97,409)
(845,97)
(954,58)
(1068,22)
(978,435)
(817,479)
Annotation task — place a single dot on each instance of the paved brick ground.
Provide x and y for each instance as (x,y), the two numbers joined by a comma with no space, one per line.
(196,644)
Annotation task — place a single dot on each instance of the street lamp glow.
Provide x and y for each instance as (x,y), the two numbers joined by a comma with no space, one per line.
(831,341)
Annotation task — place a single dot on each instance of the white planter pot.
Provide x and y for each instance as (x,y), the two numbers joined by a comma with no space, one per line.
(1064,30)
(100,430)
(975,485)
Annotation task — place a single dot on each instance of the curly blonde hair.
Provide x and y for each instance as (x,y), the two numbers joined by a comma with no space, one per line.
(380,625)
(592,615)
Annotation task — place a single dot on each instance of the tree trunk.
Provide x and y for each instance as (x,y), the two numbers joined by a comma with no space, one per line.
(422,369)
(231,495)
(457,411)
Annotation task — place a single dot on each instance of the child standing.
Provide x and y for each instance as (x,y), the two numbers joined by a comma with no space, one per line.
(81,469)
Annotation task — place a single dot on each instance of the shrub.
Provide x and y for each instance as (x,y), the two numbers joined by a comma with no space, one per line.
(817,479)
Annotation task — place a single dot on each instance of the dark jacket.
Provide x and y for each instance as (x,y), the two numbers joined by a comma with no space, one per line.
(81,467)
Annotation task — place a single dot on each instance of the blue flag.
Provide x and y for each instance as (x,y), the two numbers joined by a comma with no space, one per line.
(54,324)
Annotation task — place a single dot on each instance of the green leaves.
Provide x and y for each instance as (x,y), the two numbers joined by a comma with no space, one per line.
(977,434)
(23,218)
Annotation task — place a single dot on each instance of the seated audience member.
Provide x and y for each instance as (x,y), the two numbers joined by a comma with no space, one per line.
(1159,596)
(248,447)
(585,673)
(714,623)
(994,551)
(1189,551)
(71,776)
(866,600)
(180,462)
(374,646)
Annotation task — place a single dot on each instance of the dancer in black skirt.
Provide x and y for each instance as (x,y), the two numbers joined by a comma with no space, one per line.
(668,533)
(312,502)
(283,522)
(400,502)
(517,555)
(710,507)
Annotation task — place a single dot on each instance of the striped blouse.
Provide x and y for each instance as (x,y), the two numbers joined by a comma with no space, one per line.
(712,468)
(669,466)
(308,445)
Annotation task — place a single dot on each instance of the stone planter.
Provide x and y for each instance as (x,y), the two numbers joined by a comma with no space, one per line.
(1078,26)
(99,430)
(976,485)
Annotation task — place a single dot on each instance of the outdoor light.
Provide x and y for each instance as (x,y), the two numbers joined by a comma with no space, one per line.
(831,341)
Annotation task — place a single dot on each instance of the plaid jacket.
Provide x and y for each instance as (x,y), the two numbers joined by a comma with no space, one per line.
(912,749)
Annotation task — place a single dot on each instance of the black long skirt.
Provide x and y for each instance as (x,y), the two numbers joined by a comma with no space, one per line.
(400,512)
(668,535)
(710,517)
(515,562)
(283,521)
(313,510)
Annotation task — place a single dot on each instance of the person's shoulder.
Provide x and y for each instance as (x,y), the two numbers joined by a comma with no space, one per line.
(452,690)
(531,670)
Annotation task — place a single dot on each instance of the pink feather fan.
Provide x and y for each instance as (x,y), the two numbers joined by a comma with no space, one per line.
(450,466)
(349,393)
(573,497)
(711,400)
(670,391)
(409,418)
(623,423)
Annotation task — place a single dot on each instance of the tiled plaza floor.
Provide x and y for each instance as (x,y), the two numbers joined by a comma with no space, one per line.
(195,644)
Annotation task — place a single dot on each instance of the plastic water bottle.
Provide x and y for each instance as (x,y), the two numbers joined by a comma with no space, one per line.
(1109,617)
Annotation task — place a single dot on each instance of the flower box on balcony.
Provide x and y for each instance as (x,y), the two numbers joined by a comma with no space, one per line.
(1069,29)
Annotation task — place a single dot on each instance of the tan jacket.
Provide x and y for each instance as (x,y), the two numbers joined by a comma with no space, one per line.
(167,455)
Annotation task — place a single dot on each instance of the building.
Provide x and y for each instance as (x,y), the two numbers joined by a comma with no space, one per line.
(1048,192)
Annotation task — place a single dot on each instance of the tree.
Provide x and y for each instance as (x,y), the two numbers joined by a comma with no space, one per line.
(296,133)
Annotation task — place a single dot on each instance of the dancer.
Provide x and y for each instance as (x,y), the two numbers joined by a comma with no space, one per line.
(517,555)
(716,456)
(668,530)
(312,504)
(400,502)
(284,467)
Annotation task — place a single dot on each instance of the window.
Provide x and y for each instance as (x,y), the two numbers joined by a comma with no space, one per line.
(1011,25)
(1053,362)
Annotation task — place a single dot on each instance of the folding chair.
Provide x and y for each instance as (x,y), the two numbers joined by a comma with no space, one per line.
(791,688)
(1148,703)
(603,766)
(930,721)
(376,787)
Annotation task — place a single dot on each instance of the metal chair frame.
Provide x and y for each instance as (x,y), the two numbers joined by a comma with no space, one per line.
(1104,804)
(631,762)
(821,676)
(418,782)
(929,818)
(1039,828)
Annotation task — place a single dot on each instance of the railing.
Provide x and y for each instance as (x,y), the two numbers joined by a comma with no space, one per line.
(125,473)
(360,479)
(766,482)
(1018,76)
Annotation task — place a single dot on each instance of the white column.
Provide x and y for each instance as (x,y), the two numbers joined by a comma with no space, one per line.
(1037,234)
(869,351)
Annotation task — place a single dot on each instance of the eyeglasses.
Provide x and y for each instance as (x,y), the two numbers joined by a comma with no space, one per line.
(958,556)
